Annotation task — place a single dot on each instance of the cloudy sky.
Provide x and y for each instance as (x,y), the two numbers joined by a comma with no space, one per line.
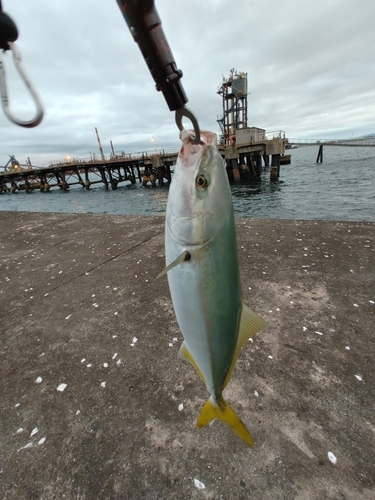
(310,66)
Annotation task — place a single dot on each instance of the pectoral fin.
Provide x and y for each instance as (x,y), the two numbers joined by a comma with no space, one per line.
(221,410)
(250,324)
(182,258)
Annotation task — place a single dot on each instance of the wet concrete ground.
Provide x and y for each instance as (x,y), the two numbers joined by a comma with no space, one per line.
(80,306)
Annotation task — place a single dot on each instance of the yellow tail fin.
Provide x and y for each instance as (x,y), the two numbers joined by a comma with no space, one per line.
(221,410)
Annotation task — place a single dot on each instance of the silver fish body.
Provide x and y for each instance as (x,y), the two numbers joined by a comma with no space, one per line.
(203,273)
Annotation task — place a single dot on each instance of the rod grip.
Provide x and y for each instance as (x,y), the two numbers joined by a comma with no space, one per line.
(144,23)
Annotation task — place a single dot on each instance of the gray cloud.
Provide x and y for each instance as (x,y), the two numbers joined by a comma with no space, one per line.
(310,66)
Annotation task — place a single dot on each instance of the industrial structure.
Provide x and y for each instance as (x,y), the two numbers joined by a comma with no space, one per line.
(243,147)
(233,91)
(14,166)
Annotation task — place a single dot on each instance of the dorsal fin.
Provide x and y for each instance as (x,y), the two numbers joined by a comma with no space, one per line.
(182,258)
(250,324)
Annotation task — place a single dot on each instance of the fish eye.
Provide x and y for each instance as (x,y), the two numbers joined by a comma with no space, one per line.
(201,181)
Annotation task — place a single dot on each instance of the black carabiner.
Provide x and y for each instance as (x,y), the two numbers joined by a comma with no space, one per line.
(8,30)
(8,35)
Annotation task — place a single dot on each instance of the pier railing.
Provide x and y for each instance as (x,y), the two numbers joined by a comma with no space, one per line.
(333,142)
(117,156)
(278,134)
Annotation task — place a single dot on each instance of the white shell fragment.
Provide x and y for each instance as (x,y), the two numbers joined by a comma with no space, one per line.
(256,393)
(34,431)
(359,377)
(198,484)
(42,441)
(28,445)
(332,458)
(180,407)
(319,333)
(62,387)
(102,384)
(38,380)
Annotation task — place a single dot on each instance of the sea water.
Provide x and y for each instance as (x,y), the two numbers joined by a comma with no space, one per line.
(340,188)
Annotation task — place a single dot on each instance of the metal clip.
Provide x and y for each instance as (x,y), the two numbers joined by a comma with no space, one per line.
(185,111)
(4,95)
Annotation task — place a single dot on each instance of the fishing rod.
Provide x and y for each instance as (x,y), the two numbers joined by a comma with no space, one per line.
(144,24)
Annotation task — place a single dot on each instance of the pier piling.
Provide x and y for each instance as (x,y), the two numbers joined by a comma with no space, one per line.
(319,158)
(275,167)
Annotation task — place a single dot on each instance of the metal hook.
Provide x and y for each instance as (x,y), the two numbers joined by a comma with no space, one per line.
(4,95)
(184,111)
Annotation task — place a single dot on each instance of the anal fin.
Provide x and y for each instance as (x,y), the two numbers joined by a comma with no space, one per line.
(220,409)
(185,353)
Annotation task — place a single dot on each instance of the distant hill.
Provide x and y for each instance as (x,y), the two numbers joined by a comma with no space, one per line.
(367,136)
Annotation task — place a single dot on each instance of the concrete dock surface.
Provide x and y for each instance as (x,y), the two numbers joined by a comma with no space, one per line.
(95,403)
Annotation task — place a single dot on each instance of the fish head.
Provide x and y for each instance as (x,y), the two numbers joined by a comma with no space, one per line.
(199,200)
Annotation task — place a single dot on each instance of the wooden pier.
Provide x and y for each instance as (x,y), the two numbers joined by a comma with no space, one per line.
(111,172)
(243,161)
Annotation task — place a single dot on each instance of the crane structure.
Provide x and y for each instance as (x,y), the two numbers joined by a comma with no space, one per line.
(233,91)
(14,164)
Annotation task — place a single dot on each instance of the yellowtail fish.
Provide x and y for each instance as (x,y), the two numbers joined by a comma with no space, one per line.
(203,273)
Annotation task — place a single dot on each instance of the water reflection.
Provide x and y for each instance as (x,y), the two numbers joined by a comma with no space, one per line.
(251,198)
